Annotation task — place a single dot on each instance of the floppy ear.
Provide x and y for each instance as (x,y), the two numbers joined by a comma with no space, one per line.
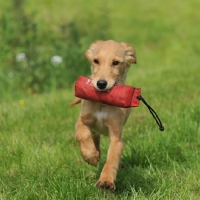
(130,53)
(89,52)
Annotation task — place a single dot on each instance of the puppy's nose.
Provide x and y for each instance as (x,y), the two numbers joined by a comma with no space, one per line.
(101,84)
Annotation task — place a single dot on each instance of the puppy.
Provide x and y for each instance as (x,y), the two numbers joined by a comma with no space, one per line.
(110,62)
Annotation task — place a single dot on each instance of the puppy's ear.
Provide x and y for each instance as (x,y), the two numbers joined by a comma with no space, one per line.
(89,52)
(130,53)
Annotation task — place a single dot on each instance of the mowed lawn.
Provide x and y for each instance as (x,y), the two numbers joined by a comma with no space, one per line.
(39,157)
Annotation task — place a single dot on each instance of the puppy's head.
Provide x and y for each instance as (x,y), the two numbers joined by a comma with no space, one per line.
(110,61)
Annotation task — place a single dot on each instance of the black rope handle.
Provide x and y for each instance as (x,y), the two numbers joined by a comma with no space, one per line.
(153,113)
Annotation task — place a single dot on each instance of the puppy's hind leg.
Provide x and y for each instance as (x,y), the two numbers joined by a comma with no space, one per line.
(96,139)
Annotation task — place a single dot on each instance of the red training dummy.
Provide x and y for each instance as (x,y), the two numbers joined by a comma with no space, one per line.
(120,95)
(123,96)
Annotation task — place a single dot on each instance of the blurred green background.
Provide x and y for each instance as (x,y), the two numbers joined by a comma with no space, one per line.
(43,42)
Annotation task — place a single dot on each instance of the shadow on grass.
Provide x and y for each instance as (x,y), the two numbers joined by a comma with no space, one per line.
(143,171)
(131,180)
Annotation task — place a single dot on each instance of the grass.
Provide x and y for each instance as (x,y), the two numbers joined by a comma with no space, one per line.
(39,156)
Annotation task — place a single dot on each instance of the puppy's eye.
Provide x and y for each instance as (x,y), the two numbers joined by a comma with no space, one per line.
(96,61)
(115,63)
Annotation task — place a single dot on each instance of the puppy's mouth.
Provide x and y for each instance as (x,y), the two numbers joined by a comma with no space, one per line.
(103,85)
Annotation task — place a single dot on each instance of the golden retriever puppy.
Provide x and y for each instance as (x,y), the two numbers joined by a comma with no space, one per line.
(110,62)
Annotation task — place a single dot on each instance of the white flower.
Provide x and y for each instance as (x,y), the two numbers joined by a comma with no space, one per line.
(56,60)
(21,57)
(10,74)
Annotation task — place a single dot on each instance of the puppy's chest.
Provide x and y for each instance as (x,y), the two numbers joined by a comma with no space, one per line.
(101,118)
(101,115)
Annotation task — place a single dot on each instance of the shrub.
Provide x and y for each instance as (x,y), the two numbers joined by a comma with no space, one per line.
(41,60)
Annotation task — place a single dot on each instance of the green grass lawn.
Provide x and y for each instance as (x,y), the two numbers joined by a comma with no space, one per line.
(39,156)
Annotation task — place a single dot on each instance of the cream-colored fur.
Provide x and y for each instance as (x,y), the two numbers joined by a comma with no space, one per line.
(110,61)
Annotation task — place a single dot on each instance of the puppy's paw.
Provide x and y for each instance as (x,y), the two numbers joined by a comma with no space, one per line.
(105,185)
(91,158)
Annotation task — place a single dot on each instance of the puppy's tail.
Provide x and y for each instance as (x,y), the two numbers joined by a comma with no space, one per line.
(76,101)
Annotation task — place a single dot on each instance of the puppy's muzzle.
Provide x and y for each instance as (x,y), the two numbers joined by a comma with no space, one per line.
(101,84)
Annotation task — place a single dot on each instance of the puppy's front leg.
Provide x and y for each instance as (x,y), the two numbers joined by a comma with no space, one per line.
(87,142)
(109,172)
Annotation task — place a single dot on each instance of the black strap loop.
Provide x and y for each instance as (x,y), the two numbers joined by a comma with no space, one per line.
(154,114)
